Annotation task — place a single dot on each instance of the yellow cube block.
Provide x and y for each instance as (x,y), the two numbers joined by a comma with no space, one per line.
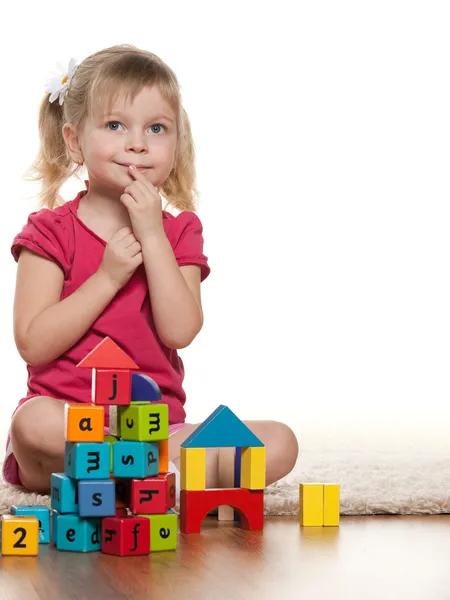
(331,504)
(311,504)
(253,468)
(84,423)
(193,468)
(20,535)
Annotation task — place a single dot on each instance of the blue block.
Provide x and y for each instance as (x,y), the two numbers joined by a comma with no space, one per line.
(97,498)
(77,534)
(237,476)
(144,388)
(135,459)
(55,515)
(64,494)
(42,513)
(222,429)
(87,460)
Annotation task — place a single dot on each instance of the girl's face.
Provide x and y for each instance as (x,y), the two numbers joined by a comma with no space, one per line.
(142,133)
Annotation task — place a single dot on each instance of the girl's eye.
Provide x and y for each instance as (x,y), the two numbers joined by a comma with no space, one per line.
(117,123)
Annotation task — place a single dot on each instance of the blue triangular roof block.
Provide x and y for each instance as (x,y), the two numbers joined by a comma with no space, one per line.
(222,429)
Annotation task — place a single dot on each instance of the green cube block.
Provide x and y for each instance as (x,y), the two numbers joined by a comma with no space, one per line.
(146,422)
(163,531)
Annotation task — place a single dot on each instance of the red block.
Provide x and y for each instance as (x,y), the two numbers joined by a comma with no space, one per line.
(195,505)
(153,495)
(107,355)
(126,536)
(111,387)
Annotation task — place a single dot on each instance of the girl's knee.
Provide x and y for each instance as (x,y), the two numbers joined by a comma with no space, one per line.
(34,423)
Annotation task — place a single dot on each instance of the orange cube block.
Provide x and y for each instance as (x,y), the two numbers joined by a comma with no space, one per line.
(84,423)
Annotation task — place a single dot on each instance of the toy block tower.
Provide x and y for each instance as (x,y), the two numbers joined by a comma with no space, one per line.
(319,504)
(116,493)
(222,429)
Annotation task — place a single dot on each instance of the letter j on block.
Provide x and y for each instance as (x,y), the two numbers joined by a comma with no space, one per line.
(84,423)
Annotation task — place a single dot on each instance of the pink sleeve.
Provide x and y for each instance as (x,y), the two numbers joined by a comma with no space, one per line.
(46,235)
(186,237)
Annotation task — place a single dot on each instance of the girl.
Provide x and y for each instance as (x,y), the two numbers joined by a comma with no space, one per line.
(112,262)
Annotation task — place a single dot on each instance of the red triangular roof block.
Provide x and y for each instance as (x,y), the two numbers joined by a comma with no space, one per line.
(107,355)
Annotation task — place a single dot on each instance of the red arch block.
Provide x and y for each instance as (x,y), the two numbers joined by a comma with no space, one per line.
(195,505)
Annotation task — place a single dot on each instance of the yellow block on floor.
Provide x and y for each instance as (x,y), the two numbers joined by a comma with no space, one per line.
(319,504)
(331,504)
(193,468)
(253,468)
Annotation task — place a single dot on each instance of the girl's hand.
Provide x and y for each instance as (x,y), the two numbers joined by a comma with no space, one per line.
(143,203)
(122,256)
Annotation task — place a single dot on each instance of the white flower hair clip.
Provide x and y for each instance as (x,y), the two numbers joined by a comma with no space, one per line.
(58,86)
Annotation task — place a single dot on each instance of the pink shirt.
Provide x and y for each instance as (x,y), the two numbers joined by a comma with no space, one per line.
(59,235)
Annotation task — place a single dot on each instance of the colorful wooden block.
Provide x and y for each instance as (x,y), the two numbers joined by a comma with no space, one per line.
(111,387)
(97,498)
(163,531)
(87,460)
(84,423)
(115,413)
(55,515)
(154,494)
(192,468)
(311,504)
(107,355)
(135,459)
(144,387)
(126,536)
(20,535)
(163,446)
(331,504)
(111,439)
(195,505)
(253,468)
(64,494)
(78,534)
(145,422)
(123,492)
(42,514)
(222,429)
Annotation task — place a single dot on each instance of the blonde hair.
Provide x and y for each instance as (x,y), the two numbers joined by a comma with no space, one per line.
(98,80)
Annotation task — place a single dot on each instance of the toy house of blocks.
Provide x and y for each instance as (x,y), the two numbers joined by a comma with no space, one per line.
(222,429)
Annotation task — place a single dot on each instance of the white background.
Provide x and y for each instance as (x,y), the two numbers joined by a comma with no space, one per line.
(323,151)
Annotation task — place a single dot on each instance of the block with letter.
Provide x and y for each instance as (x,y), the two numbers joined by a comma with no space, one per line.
(89,460)
(133,459)
(77,534)
(84,423)
(64,494)
(145,422)
(97,498)
(20,535)
(42,513)
(153,495)
(126,536)
(111,387)
(163,531)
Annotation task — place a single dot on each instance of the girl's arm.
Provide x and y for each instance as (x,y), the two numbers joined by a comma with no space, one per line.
(44,325)
(175,299)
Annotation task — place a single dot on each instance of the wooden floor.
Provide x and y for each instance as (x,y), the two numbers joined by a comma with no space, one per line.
(383,557)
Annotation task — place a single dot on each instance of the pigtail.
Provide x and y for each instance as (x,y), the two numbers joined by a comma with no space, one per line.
(53,164)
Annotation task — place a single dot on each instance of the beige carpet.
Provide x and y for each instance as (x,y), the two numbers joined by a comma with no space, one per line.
(371,483)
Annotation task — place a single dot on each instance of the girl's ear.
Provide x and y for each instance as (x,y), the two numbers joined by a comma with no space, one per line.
(72,142)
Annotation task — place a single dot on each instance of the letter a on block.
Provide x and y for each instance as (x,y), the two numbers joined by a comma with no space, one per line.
(84,423)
